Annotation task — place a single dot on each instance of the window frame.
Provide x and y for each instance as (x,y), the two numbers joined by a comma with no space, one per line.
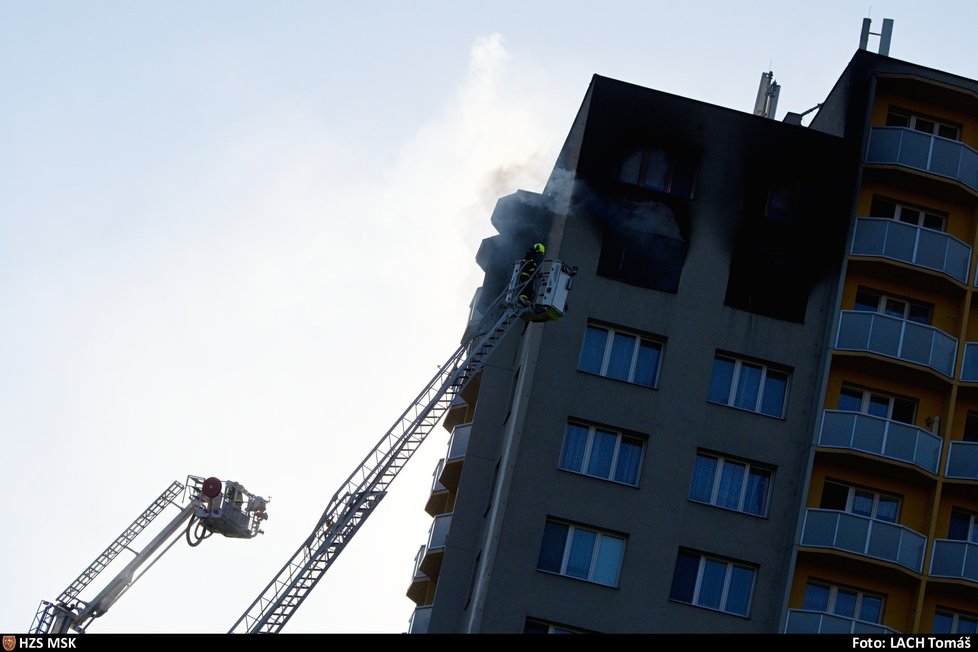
(730,565)
(592,430)
(867,398)
(956,617)
(899,207)
(600,536)
(972,524)
(913,118)
(608,346)
(832,601)
(736,379)
(638,163)
(717,481)
(853,490)
(883,298)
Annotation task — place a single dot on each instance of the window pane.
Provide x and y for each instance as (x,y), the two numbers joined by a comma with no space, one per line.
(575,443)
(882,207)
(971,427)
(897,120)
(967,625)
(816,598)
(909,215)
(934,222)
(711,586)
(945,131)
(721,380)
(602,452)
(775,388)
(629,460)
(919,314)
(942,623)
(960,523)
(684,577)
(731,484)
(867,300)
(630,167)
(535,627)
(903,410)
(834,496)
(738,593)
(621,356)
(609,560)
(870,609)
(862,503)
(657,173)
(647,364)
(926,126)
(895,308)
(552,548)
(593,350)
(704,471)
(845,603)
(755,501)
(851,400)
(748,386)
(582,549)
(886,509)
(879,406)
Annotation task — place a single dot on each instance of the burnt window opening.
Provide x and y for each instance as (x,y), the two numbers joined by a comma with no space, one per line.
(661,170)
(642,245)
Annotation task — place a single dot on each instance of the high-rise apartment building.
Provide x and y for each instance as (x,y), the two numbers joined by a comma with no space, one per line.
(760,411)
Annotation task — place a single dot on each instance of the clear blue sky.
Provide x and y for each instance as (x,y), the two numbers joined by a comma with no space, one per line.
(236,238)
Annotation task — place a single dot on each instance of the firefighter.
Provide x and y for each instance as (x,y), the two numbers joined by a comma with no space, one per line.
(531,260)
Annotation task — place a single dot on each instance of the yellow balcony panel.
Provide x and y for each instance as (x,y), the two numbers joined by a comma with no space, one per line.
(439,497)
(901,339)
(867,537)
(430,563)
(420,620)
(419,581)
(962,461)
(457,447)
(943,157)
(890,440)
(955,559)
(803,621)
(926,249)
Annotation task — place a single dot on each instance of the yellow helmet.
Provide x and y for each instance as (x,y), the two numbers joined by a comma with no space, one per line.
(539,248)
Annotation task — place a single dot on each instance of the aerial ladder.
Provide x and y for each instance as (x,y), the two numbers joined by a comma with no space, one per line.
(214,506)
(536,293)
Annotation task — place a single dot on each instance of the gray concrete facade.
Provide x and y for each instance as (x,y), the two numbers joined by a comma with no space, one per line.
(729,275)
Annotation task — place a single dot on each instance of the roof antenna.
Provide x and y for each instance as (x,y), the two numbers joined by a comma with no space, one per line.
(885,35)
(767,96)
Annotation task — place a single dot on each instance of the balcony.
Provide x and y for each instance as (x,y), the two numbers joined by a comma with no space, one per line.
(419,581)
(897,338)
(933,250)
(439,496)
(962,461)
(891,440)
(969,363)
(457,447)
(828,528)
(437,535)
(420,620)
(802,621)
(955,559)
(941,156)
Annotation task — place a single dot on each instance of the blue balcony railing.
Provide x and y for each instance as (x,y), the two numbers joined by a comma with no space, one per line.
(803,621)
(955,559)
(926,248)
(962,460)
(897,338)
(829,528)
(942,156)
(882,437)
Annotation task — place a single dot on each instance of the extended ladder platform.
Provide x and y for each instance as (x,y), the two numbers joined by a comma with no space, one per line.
(214,506)
(363,490)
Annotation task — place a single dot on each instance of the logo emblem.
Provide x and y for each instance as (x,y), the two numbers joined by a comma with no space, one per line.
(9,643)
